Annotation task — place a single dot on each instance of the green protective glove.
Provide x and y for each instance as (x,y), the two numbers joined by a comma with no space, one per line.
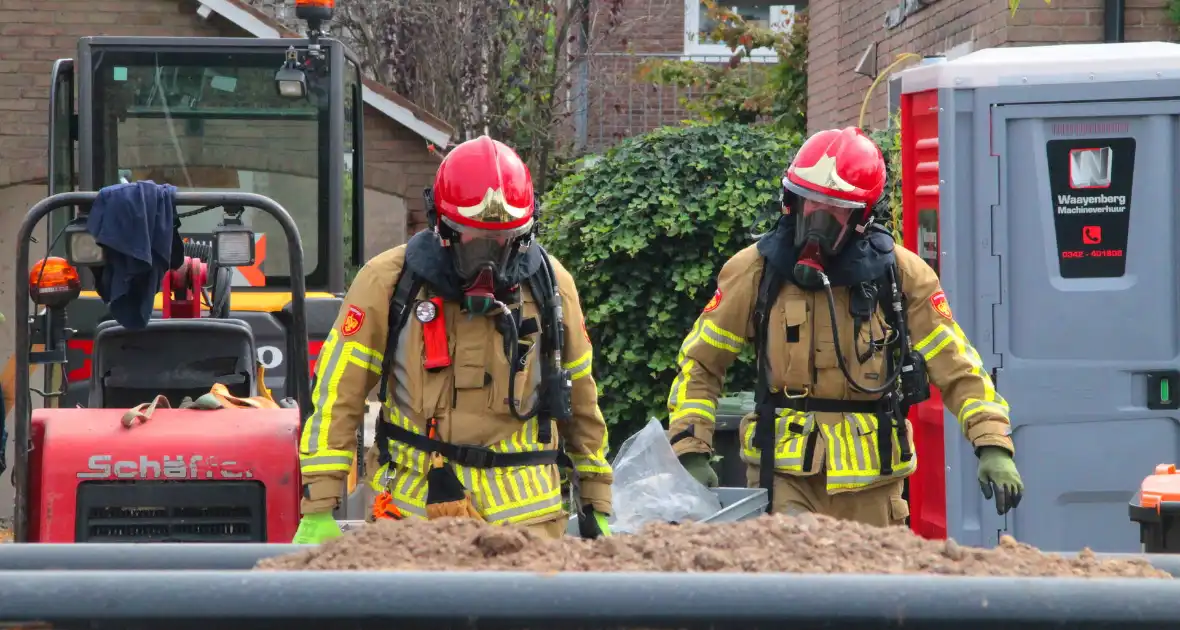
(316,528)
(697,465)
(592,523)
(998,476)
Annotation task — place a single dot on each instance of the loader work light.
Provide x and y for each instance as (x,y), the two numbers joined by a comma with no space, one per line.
(233,243)
(291,82)
(54,283)
(81,248)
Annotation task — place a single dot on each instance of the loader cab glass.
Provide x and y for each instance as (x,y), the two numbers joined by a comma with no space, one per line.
(219,118)
(212,121)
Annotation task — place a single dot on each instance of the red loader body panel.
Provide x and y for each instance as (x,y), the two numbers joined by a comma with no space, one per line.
(184,475)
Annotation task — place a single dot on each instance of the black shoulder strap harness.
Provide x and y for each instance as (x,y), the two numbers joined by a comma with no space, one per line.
(553,393)
(891,408)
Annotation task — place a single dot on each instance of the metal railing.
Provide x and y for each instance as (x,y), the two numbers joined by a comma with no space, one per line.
(142,586)
(182,587)
(620,104)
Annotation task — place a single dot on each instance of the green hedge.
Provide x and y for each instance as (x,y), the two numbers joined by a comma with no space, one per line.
(889,139)
(644,230)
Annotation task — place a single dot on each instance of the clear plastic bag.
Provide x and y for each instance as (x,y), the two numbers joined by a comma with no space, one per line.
(651,485)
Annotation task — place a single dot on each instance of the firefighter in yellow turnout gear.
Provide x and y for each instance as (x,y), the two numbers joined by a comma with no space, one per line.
(848,328)
(478,404)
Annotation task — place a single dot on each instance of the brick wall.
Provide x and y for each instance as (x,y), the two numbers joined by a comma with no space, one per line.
(396,162)
(1072,21)
(620,104)
(35,33)
(841,29)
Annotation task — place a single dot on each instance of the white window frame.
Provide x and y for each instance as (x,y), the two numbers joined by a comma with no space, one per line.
(693,47)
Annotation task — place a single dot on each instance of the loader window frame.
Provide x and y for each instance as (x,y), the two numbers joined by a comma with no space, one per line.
(62,134)
(256,63)
(354,146)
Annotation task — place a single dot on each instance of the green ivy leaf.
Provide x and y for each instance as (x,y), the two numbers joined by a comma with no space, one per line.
(646,261)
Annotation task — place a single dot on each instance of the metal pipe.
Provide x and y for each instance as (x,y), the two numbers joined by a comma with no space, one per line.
(477,600)
(22,406)
(239,556)
(1114,21)
(138,556)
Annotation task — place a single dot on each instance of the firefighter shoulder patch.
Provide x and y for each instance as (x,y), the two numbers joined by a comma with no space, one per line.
(938,301)
(714,301)
(353,320)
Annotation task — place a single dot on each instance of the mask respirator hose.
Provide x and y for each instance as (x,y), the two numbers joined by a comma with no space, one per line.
(890,382)
(479,299)
(545,393)
(506,325)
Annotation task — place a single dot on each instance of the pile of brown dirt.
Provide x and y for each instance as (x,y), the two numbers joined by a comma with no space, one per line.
(804,544)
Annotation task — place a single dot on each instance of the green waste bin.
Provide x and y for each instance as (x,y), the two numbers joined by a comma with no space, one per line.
(731,470)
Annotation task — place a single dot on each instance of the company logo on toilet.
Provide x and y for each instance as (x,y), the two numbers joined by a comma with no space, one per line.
(1090,168)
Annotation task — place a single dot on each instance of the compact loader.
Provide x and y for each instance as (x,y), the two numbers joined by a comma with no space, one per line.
(256,134)
(130,466)
(278,117)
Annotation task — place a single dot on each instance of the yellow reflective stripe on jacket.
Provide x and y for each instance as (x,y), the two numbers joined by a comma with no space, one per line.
(594,463)
(989,388)
(703,331)
(853,457)
(328,460)
(718,337)
(695,407)
(975,406)
(335,358)
(852,450)
(944,336)
(580,367)
(935,342)
(502,495)
(853,460)
(790,446)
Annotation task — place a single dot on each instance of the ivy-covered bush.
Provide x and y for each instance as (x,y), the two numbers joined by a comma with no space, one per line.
(644,230)
(889,139)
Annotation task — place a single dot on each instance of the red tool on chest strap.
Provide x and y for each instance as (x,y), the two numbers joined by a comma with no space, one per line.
(434,333)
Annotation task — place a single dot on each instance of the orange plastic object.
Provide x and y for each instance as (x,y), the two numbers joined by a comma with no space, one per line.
(54,282)
(1162,487)
(384,509)
(327,4)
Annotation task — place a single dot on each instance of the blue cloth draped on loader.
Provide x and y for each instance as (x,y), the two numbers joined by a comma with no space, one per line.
(138,228)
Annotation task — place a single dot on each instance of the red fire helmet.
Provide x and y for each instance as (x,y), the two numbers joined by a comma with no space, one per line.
(483,186)
(840,167)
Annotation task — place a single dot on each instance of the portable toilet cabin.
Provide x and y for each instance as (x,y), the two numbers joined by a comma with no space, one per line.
(1042,184)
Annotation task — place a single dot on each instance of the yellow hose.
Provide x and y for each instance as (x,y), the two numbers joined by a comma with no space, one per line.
(864,106)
